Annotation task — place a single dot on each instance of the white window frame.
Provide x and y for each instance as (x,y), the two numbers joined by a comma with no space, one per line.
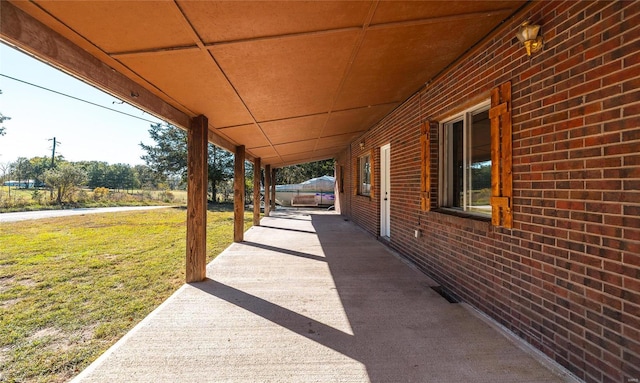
(446,153)
(361,171)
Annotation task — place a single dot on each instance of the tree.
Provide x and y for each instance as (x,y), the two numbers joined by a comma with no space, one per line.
(248,181)
(3,118)
(168,156)
(96,173)
(296,174)
(23,170)
(481,175)
(66,178)
(147,178)
(120,177)
(220,168)
(116,176)
(38,166)
(5,168)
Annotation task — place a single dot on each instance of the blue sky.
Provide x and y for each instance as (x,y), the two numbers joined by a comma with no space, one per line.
(86,132)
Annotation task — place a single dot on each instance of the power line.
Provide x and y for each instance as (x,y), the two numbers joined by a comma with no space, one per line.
(77,99)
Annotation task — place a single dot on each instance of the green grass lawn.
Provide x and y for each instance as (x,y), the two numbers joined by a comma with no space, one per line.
(71,287)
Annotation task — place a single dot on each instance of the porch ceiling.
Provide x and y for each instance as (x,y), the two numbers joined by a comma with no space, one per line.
(292,81)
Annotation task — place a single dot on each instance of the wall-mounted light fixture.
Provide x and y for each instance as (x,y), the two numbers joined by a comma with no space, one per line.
(361,145)
(528,36)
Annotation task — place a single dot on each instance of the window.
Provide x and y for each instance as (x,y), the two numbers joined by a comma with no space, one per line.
(476,166)
(364,175)
(467,162)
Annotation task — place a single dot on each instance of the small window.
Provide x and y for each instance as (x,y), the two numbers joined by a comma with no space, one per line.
(467,162)
(364,175)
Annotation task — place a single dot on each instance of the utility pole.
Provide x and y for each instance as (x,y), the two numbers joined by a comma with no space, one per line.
(53,157)
(53,151)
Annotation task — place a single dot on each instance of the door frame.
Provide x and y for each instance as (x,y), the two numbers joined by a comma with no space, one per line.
(385,191)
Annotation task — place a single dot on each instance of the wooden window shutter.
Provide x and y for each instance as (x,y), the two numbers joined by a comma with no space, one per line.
(501,177)
(425,165)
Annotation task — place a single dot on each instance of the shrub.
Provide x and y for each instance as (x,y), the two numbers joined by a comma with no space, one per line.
(166,196)
(66,179)
(82,196)
(100,193)
(118,197)
(37,196)
(20,202)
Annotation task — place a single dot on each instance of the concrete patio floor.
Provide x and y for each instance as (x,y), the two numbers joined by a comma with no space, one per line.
(309,297)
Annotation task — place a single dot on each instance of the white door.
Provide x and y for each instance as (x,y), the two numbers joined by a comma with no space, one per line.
(385,191)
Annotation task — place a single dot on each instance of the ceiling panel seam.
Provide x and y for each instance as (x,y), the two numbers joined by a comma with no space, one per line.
(395,24)
(354,53)
(94,50)
(436,20)
(196,37)
(319,139)
(284,36)
(202,47)
(184,108)
(318,114)
(418,22)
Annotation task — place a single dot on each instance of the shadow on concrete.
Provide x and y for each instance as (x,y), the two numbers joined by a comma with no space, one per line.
(283,216)
(403,331)
(284,251)
(288,229)
(291,320)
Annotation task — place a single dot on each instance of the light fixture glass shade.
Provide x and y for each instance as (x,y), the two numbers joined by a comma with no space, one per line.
(527,32)
(528,36)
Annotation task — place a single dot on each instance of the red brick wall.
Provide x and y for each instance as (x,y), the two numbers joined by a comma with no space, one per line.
(566,278)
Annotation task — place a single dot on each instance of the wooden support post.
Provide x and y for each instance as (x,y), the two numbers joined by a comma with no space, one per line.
(238,194)
(256,191)
(273,189)
(197,199)
(267,190)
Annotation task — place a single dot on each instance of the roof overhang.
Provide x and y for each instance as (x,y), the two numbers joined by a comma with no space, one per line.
(291,81)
